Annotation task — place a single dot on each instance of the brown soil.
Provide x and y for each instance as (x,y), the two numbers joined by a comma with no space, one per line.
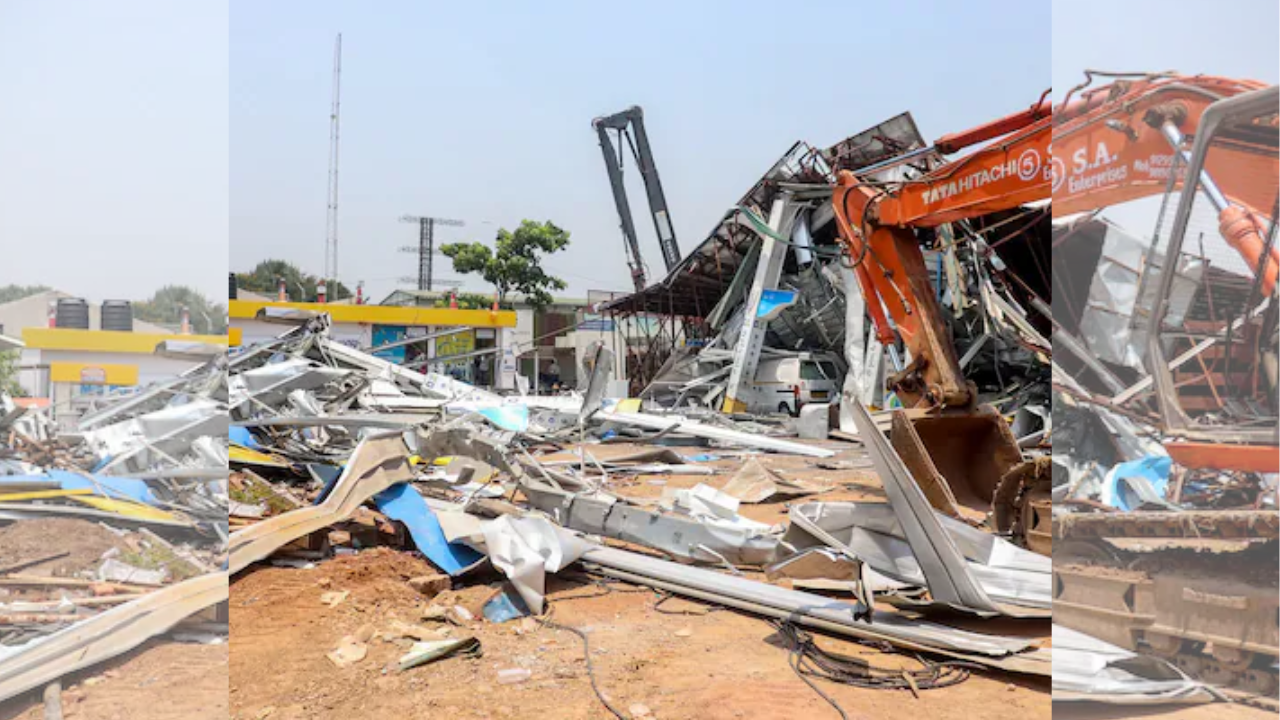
(160,681)
(706,666)
(31,539)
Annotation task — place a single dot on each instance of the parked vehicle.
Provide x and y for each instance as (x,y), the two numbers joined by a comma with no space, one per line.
(788,384)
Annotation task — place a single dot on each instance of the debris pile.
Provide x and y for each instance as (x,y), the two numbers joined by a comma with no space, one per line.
(337,456)
(113,533)
(1164,498)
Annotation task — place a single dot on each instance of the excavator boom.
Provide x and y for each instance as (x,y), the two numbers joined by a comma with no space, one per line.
(1110,145)
(877,224)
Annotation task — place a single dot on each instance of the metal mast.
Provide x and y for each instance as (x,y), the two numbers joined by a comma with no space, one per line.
(426,245)
(331,217)
(624,124)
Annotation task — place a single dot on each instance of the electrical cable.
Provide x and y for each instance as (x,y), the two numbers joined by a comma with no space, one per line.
(591,672)
(808,661)
(606,585)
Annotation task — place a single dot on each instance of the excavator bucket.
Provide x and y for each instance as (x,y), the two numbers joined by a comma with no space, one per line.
(957,459)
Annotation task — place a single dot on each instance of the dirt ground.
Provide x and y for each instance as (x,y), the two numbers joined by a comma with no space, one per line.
(82,540)
(721,664)
(162,680)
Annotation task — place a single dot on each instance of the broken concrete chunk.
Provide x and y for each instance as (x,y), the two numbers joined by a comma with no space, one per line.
(461,613)
(435,612)
(431,585)
(333,598)
(349,651)
(112,570)
(398,628)
(512,676)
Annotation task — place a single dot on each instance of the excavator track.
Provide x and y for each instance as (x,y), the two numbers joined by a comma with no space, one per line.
(1199,591)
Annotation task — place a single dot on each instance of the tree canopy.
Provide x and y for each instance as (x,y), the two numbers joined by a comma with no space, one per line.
(515,263)
(471,301)
(9,293)
(165,308)
(263,279)
(9,374)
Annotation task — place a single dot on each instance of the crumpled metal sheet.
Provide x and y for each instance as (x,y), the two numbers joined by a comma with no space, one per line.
(1011,654)
(106,635)
(944,568)
(377,463)
(525,549)
(680,425)
(1088,669)
(681,537)
(1113,322)
(870,531)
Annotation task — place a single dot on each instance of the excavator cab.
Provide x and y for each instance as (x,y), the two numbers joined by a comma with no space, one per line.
(1222,406)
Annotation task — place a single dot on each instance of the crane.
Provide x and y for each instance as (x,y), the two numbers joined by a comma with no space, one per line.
(624,124)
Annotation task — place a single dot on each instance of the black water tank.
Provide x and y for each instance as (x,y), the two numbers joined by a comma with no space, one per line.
(117,315)
(231,289)
(72,313)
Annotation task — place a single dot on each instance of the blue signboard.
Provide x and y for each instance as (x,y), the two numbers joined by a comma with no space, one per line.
(383,334)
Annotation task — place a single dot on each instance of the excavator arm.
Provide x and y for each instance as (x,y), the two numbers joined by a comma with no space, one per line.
(1111,145)
(876,228)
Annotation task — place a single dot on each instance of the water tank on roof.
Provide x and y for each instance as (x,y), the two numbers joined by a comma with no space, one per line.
(117,315)
(71,313)
(231,288)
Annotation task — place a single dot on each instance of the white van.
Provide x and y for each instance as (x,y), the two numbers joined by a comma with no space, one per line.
(787,384)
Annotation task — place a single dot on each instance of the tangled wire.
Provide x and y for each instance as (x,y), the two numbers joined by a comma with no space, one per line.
(810,661)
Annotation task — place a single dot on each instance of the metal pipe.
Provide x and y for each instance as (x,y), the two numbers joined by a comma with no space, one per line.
(1211,190)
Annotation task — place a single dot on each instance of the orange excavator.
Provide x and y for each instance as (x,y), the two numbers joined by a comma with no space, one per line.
(1113,144)
(1110,144)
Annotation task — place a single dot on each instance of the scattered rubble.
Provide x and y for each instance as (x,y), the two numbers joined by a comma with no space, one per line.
(113,533)
(329,479)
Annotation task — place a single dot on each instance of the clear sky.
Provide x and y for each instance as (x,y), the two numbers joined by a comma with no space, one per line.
(482,112)
(113,146)
(1235,39)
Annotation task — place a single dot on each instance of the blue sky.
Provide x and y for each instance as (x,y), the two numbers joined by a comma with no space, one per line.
(482,112)
(147,142)
(1236,39)
(113,146)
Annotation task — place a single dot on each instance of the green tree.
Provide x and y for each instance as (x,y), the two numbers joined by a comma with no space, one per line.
(264,279)
(9,374)
(165,308)
(9,293)
(516,262)
(471,301)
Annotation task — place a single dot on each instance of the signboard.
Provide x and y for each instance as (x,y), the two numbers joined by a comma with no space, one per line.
(385,334)
(592,320)
(456,344)
(93,373)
